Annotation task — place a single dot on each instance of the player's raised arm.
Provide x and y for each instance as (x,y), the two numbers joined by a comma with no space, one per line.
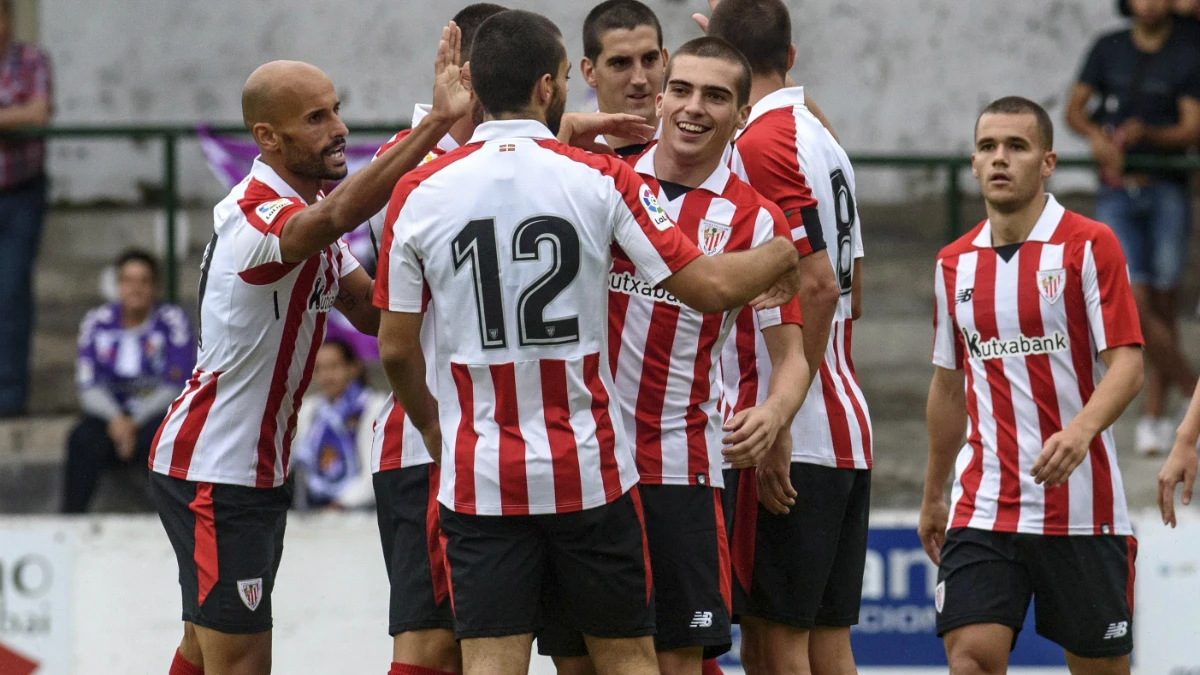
(367,191)
(718,283)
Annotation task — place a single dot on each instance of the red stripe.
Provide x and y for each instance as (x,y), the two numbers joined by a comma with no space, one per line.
(267,273)
(697,417)
(204,553)
(314,345)
(433,538)
(618,308)
(724,572)
(1079,334)
(1008,503)
(641,516)
(747,355)
(466,441)
(191,386)
(652,389)
(860,413)
(564,454)
(972,476)
(442,540)
(610,472)
(1131,549)
(839,424)
(391,452)
(745,527)
(258,193)
(514,482)
(189,432)
(268,430)
(1041,380)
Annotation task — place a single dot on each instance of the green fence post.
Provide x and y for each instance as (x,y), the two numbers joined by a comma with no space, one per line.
(953,203)
(170,199)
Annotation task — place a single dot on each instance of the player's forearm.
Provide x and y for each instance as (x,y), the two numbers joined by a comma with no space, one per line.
(946,422)
(819,295)
(856,306)
(35,113)
(1117,388)
(1077,117)
(359,311)
(1177,137)
(790,376)
(99,402)
(1189,429)
(731,280)
(403,362)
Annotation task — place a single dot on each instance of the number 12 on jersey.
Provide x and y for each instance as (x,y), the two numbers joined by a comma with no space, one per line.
(476,245)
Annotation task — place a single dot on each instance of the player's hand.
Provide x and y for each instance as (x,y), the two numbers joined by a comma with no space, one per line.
(786,287)
(1060,455)
(1131,132)
(752,433)
(433,442)
(774,477)
(931,527)
(580,130)
(1179,468)
(702,20)
(1109,158)
(452,96)
(123,432)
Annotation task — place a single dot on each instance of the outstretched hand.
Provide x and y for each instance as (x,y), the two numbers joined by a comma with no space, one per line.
(452,95)
(702,20)
(581,129)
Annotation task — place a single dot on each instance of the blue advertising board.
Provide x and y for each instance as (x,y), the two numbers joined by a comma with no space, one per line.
(898,621)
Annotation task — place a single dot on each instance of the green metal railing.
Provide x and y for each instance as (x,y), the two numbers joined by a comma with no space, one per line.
(951,166)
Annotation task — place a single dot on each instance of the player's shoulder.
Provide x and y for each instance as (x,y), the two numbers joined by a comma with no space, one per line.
(743,195)
(1116,38)
(1078,227)
(99,316)
(387,145)
(964,244)
(432,166)
(170,313)
(605,164)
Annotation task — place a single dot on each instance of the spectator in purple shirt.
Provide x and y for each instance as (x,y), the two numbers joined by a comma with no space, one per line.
(25,101)
(134,357)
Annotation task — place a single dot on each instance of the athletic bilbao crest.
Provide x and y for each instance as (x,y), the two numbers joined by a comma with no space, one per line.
(939,597)
(713,236)
(1050,284)
(250,591)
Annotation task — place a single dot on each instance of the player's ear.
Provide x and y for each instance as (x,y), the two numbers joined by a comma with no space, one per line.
(791,57)
(265,137)
(658,99)
(974,167)
(543,91)
(589,71)
(1049,162)
(743,117)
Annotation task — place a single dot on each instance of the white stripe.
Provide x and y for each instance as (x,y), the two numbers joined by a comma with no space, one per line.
(531,415)
(1091,296)
(487,449)
(677,394)
(1016,371)
(584,424)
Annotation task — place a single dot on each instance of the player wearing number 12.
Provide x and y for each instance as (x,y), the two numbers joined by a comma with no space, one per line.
(513,235)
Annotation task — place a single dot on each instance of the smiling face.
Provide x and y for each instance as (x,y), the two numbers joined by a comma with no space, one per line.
(1010,161)
(628,73)
(699,108)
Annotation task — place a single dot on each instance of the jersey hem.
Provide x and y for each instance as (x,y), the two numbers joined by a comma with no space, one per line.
(831,462)
(402,463)
(193,477)
(1074,531)
(712,480)
(543,509)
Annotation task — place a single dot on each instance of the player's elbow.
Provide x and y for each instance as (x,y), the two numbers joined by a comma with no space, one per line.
(822,289)
(395,354)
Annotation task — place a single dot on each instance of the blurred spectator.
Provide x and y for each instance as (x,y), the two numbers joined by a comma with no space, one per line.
(334,432)
(1139,94)
(24,102)
(134,357)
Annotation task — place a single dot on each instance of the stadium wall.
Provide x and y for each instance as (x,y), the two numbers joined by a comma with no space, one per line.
(893,75)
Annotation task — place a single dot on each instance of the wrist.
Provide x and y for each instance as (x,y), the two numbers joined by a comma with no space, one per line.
(1186,436)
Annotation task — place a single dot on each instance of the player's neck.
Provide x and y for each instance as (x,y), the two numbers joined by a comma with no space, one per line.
(762,86)
(529,113)
(1151,37)
(1013,227)
(304,186)
(132,318)
(670,167)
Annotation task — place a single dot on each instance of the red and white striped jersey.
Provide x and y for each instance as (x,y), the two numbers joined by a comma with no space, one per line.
(1027,323)
(261,323)
(397,444)
(513,234)
(664,354)
(786,152)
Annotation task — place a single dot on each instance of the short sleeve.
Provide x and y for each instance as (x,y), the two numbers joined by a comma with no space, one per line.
(770,224)
(400,276)
(644,231)
(947,349)
(1092,72)
(257,229)
(771,165)
(85,361)
(1190,86)
(346,261)
(1111,310)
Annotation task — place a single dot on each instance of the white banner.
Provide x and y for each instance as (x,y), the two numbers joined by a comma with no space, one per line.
(35,602)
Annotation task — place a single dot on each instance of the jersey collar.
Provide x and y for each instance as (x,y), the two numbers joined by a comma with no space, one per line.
(1047,223)
(782,98)
(265,174)
(447,143)
(502,129)
(715,183)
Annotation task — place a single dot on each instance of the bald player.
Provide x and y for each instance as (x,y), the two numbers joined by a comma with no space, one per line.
(272,271)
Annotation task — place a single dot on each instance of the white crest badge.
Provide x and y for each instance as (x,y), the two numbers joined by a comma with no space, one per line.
(939,597)
(1050,284)
(251,591)
(712,236)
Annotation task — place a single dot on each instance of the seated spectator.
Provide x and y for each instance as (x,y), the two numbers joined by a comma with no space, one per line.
(334,432)
(1139,94)
(134,357)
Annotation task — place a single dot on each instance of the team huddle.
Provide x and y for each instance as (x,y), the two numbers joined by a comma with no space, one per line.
(625,413)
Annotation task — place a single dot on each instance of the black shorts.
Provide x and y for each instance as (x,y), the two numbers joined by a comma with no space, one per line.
(413,549)
(228,540)
(689,556)
(805,568)
(1083,585)
(598,559)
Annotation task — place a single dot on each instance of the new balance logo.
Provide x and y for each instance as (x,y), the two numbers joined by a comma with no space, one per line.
(1117,630)
(702,620)
(964,295)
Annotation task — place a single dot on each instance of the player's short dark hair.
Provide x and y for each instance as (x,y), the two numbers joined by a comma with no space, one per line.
(135,254)
(760,29)
(615,15)
(469,19)
(1018,105)
(512,51)
(710,47)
